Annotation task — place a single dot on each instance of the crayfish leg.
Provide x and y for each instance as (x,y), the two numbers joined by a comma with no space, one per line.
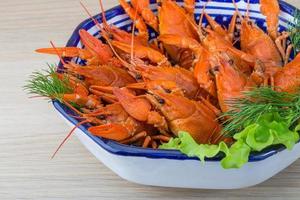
(134,138)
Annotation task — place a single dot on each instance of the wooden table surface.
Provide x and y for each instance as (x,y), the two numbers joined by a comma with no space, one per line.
(30,129)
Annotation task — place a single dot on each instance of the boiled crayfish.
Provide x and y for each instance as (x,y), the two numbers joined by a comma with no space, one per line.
(139,92)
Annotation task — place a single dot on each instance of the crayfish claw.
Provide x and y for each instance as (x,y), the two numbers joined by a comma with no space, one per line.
(115,132)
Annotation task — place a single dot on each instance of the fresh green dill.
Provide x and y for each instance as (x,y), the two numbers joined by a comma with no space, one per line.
(294,29)
(48,84)
(245,111)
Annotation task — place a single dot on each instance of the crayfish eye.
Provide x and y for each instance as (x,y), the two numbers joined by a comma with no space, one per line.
(138,76)
(173,63)
(216,68)
(249,23)
(101,117)
(80,77)
(213,70)
(231,62)
(161,101)
(168,91)
(111,36)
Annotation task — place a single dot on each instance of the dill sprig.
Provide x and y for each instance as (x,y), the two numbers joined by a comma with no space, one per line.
(294,29)
(255,103)
(47,83)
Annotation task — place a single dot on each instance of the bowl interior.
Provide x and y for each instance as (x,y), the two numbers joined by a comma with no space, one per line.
(222,11)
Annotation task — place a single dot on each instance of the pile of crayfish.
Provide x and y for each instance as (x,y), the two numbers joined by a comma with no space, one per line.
(143,92)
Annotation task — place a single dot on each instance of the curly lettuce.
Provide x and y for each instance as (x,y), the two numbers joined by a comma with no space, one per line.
(270,129)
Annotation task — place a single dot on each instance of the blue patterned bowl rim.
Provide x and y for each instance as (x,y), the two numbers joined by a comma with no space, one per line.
(125,150)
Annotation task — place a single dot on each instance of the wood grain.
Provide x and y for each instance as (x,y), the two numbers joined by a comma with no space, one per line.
(30,129)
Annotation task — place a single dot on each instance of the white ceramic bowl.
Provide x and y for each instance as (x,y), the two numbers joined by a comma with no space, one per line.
(171,168)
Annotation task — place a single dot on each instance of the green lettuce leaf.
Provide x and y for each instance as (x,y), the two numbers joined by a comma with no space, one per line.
(173,144)
(270,129)
(297,128)
(188,146)
(237,156)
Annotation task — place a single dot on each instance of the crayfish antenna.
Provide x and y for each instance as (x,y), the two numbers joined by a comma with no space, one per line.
(72,108)
(105,35)
(248,9)
(94,20)
(103,14)
(72,131)
(59,56)
(65,65)
(132,36)
(67,137)
(202,15)
(237,9)
(133,26)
